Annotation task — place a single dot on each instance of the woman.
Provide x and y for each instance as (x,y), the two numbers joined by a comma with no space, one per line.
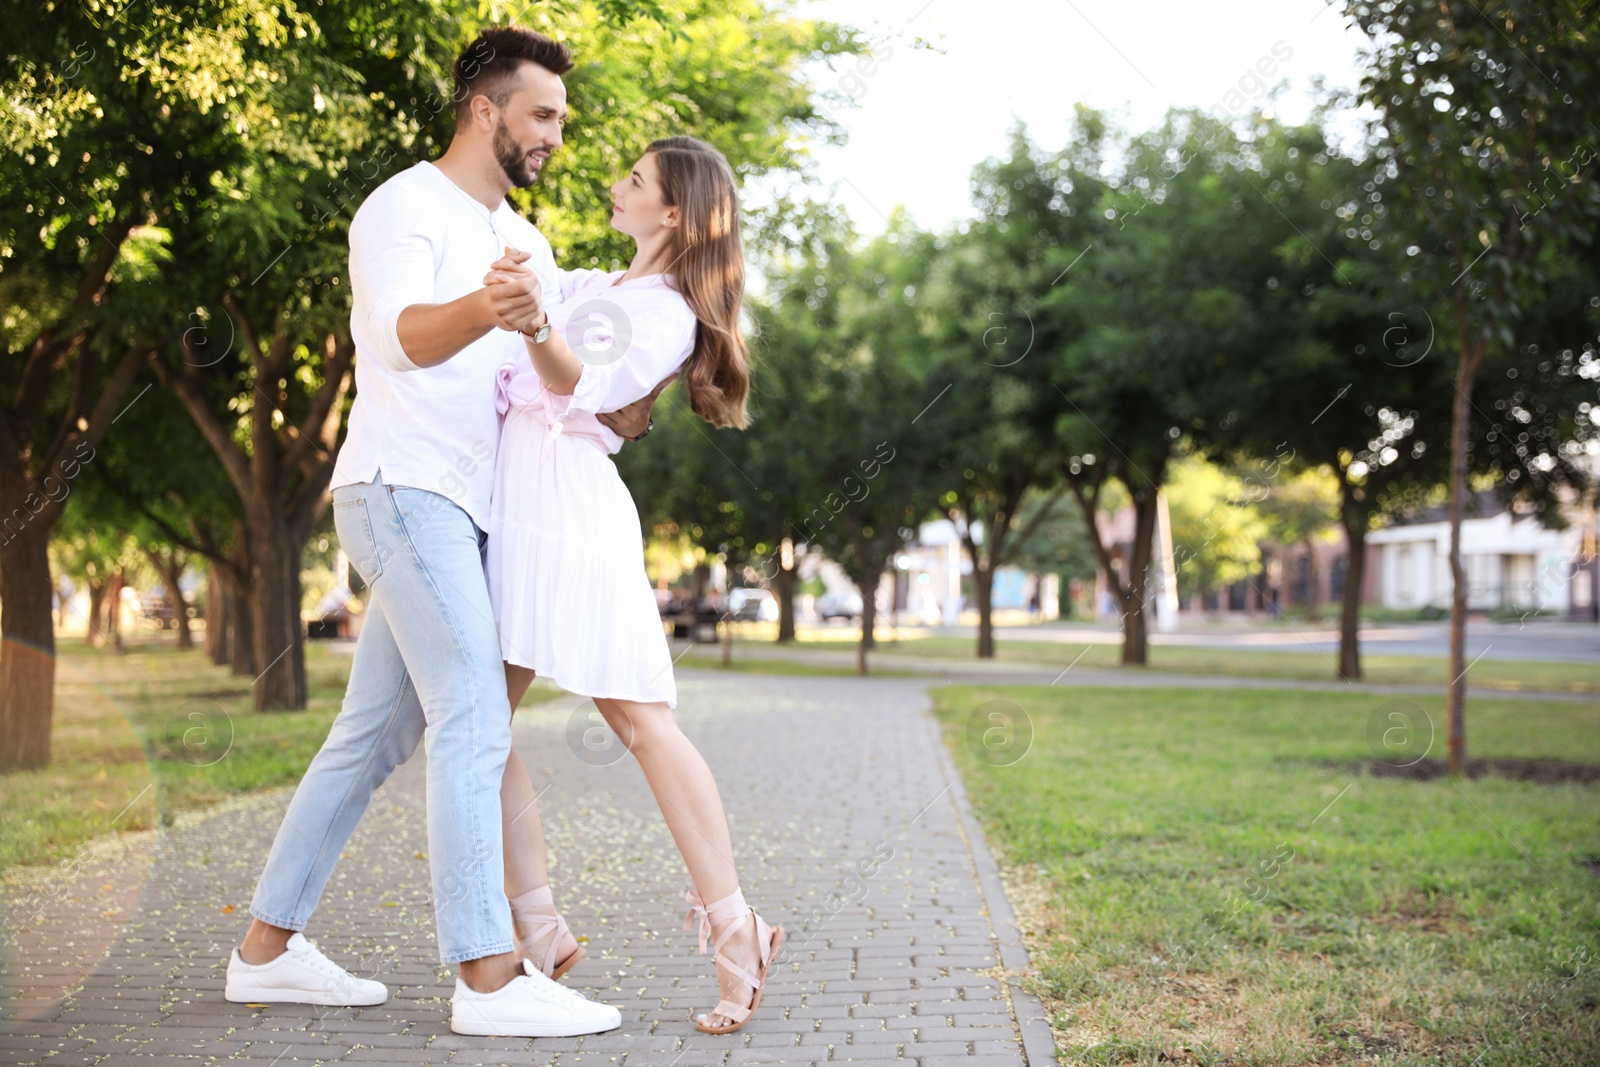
(566,561)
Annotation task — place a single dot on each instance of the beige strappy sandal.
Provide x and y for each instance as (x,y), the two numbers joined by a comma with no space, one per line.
(727,913)
(522,910)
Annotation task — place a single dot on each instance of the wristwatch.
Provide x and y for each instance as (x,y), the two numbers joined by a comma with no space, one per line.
(542,334)
(650,424)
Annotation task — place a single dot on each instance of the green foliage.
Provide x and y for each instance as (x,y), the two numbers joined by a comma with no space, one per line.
(727,72)
(1216,530)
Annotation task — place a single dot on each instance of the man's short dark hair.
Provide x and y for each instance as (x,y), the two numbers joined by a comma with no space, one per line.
(488,64)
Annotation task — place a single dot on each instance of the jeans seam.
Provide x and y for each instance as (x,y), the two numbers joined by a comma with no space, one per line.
(461,650)
(394,707)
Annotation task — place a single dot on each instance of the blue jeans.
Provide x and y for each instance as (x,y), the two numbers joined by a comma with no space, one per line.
(427,664)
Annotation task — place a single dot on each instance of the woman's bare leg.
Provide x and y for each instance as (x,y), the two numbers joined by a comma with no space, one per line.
(687,795)
(522,836)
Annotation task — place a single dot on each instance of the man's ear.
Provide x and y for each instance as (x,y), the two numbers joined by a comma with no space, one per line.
(481,108)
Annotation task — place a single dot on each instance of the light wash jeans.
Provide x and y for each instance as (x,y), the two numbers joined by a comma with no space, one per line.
(427,664)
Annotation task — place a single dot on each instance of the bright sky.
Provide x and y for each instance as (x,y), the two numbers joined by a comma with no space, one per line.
(924,118)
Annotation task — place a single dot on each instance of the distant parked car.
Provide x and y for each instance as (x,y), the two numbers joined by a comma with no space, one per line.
(752,605)
(839,604)
(157,606)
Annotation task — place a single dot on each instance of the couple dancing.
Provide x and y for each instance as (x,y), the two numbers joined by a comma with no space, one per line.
(476,497)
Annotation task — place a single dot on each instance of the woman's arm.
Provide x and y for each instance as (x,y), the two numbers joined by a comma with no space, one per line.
(558,366)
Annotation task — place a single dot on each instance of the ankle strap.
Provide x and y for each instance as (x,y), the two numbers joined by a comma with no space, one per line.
(718,913)
(533,898)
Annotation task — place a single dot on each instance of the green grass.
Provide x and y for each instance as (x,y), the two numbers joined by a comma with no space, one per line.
(1508,675)
(142,735)
(745,663)
(1188,894)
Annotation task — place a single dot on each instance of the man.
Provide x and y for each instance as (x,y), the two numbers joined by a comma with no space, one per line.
(411,502)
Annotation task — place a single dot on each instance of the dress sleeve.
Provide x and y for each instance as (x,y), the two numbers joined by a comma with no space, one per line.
(392,257)
(573,280)
(626,350)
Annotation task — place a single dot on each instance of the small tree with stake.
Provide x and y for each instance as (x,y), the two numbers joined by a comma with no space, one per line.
(1485,114)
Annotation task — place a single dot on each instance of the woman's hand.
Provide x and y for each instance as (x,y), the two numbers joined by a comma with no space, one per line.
(514,291)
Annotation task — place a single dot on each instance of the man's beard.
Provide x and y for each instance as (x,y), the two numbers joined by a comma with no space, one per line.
(512,157)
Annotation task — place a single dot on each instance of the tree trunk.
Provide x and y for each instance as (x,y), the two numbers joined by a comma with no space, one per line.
(1135,637)
(94,620)
(114,608)
(28,656)
(185,634)
(170,566)
(983,593)
(1313,585)
(1353,518)
(1135,628)
(241,632)
(869,619)
(726,628)
(279,631)
(216,644)
(1131,598)
(1460,421)
(785,582)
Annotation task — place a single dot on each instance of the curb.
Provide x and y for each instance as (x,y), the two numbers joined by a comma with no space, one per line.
(1038,1042)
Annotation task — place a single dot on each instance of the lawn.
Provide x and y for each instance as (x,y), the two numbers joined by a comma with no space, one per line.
(747,659)
(1206,877)
(1508,675)
(149,732)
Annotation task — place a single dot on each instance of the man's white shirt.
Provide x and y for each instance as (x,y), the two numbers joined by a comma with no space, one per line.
(420,239)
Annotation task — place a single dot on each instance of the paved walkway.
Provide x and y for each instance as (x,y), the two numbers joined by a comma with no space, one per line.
(851,828)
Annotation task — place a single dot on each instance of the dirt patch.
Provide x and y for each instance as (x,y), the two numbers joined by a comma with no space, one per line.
(1422,913)
(1541,771)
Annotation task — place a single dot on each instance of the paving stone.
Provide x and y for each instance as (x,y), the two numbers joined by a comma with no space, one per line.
(849,830)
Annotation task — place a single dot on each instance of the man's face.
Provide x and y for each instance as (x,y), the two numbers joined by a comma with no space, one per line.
(528,127)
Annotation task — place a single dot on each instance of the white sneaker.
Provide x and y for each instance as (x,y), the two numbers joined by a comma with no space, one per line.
(302,975)
(529,1006)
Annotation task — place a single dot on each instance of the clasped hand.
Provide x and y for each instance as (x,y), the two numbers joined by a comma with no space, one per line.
(516,298)
(517,301)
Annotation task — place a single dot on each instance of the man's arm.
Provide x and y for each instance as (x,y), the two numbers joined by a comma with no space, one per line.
(432,333)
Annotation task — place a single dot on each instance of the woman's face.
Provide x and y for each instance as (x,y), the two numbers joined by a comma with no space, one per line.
(637,207)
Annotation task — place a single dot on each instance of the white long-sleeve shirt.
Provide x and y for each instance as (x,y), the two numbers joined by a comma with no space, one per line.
(420,239)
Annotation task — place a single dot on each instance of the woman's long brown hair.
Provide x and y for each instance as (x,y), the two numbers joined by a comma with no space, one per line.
(708,264)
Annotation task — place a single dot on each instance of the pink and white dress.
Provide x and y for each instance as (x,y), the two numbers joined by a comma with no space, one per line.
(565,558)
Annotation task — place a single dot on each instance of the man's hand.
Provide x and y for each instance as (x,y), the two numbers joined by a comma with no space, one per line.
(633,421)
(514,292)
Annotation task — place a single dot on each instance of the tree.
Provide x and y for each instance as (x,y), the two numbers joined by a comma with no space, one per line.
(1340,375)
(1058,544)
(1163,296)
(875,383)
(805,253)
(89,181)
(995,344)
(1301,510)
(1216,527)
(1476,110)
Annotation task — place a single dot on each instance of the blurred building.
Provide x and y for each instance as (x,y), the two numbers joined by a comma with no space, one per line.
(1514,562)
